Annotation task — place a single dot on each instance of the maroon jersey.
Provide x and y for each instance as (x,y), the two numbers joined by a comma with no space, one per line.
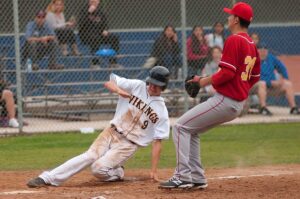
(239,55)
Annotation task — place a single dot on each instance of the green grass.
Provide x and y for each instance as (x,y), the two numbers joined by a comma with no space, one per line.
(224,146)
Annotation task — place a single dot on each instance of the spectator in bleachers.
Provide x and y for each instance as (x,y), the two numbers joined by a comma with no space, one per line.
(40,41)
(212,65)
(270,64)
(217,37)
(93,30)
(255,38)
(7,98)
(166,50)
(64,30)
(197,51)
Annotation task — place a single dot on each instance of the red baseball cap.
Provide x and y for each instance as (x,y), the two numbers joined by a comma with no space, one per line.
(242,10)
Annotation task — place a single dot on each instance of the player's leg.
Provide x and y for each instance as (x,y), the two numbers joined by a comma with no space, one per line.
(8,97)
(63,172)
(262,93)
(287,87)
(216,110)
(197,171)
(109,166)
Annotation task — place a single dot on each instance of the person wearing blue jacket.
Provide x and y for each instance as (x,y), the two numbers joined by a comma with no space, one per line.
(271,66)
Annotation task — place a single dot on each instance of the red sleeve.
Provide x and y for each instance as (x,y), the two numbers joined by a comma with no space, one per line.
(222,76)
(229,58)
(190,54)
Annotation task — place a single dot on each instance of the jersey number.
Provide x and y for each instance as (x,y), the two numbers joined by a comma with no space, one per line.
(250,64)
(144,126)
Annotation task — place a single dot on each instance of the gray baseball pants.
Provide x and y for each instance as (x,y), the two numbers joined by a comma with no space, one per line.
(216,110)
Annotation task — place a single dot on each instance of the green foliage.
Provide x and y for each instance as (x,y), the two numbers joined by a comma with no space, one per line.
(224,146)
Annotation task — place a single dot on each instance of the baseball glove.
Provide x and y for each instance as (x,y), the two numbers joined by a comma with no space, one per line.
(192,88)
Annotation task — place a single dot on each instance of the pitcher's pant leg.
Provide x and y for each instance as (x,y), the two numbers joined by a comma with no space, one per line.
(216,110)
(197,170)
(181,140)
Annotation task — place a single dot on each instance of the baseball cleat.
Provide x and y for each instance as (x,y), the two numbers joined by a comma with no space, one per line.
(118,177)
(265,111)
(295,111)
(36,182)
(175,182)
(199,185)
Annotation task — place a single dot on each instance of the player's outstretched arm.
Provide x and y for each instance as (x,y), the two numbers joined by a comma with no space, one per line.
(112,86)
(156,149)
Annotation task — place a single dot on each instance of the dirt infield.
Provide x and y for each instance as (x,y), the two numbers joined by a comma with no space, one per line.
(255,182)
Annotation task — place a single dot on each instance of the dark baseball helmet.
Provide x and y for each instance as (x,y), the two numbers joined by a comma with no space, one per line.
(159,76)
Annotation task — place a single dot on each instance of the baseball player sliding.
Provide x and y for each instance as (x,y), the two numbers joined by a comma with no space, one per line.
(141,117)
(239,71)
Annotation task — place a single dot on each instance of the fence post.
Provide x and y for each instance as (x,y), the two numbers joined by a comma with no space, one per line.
(18,64)
(184,50)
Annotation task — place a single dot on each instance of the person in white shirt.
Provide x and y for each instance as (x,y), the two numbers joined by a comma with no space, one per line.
(141,117)
(216,38)
(63,30)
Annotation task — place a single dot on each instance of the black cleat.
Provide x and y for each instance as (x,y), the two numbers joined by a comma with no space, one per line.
(265,111)
(36,182)
(200,185)
(174,183)
(294,111)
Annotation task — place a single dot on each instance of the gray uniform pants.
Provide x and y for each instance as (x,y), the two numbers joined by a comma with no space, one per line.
(216,110)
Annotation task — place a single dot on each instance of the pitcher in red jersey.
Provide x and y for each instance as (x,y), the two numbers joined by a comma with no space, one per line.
(239,71)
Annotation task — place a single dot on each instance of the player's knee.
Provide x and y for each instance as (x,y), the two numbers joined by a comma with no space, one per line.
(92,155)
(99,171)
(287,84)
(177,127)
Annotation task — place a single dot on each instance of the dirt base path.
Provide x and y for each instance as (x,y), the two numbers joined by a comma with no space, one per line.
(255,182)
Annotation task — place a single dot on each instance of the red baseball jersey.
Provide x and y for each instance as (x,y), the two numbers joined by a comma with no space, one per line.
(239,55)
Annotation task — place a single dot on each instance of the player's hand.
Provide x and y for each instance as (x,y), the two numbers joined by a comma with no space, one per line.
(195,79)
(154,176)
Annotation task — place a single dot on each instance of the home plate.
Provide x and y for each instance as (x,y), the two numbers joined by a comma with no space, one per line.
(18,192)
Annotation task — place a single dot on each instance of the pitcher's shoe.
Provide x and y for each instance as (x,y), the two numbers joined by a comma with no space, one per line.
(175,182)
(36,182)
(199,185)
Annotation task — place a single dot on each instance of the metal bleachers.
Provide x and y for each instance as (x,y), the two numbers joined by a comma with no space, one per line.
(78,89)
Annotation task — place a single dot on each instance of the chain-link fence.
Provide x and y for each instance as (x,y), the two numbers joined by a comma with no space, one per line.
(56,55)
